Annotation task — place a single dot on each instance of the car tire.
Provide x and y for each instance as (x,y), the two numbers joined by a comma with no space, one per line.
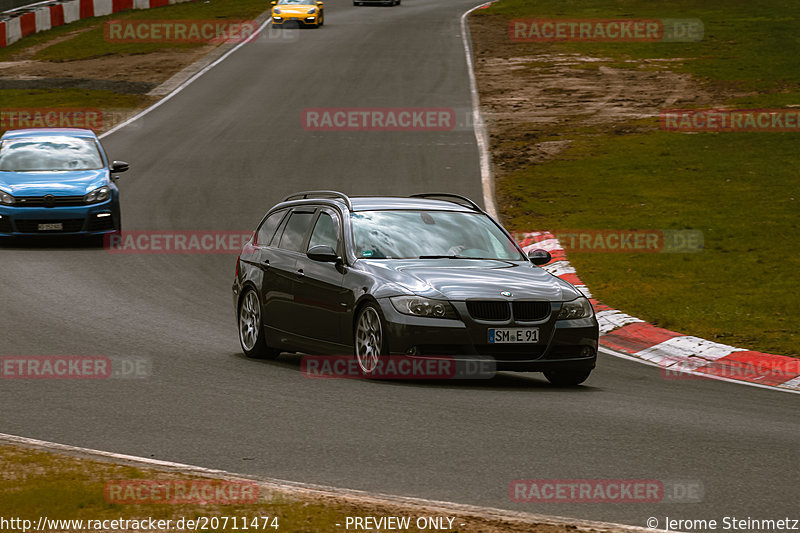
(320,20)
(251,331)
(567,378)
(369,339)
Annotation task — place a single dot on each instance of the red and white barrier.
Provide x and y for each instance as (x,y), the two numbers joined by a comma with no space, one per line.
(675,353)
(43,17)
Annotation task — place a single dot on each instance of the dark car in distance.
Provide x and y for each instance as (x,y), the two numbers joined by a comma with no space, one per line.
(426,276)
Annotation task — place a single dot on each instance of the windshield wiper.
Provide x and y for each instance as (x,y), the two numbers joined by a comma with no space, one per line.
(443,257)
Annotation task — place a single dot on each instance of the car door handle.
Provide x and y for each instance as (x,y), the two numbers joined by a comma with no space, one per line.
(265,263)
(300,273)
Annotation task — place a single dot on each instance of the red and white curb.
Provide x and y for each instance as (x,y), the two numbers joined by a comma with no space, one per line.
(675,353)
(28,20)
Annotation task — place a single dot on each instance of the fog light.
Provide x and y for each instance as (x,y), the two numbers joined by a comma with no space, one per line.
(101,215)
(587,351)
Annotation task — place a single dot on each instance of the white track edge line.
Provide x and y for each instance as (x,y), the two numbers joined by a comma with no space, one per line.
(487,513)
(478,126)
(186,83)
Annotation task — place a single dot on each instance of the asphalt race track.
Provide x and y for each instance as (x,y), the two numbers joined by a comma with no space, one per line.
(215,157)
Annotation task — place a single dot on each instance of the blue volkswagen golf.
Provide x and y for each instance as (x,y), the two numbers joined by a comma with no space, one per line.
(57,181)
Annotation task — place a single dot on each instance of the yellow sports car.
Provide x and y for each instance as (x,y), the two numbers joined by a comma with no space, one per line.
(297,12)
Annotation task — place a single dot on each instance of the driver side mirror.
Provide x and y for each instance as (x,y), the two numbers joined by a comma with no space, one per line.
(322,253)
(119,166)
(539,256)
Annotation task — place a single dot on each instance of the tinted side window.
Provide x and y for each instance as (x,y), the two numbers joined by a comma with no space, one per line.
(295,231)
(267,229)
(325,232)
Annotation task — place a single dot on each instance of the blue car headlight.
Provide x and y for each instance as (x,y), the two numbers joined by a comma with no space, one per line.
(419,306)
(6,199)
(276,10)
(101,194)
(577,308)
(312,10)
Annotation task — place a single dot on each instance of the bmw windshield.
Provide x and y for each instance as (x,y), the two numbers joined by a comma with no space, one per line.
(430,234)
(48,154)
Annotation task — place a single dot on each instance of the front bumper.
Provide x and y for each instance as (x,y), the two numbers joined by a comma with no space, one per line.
(291,18)
(94,219)
(563,345)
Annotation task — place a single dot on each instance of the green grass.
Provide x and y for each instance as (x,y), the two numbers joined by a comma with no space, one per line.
(41,484)
(740,189)
(89,42)
(92,42)
(114,107)
(740,289)
(752,44)
(45,98)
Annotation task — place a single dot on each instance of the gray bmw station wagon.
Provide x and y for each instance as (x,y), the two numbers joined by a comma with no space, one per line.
(426,276)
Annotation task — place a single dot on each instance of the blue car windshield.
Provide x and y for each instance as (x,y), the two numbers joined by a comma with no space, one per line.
(295,2)
(430,234)
(49,153)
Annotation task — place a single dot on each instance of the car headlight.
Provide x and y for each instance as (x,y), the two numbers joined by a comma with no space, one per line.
(419,306)
(101,194)
(6,199)
(276,10)
(577,308)
(312,10)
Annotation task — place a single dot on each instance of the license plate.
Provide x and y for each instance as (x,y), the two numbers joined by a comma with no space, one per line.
(56,226)
(513,335)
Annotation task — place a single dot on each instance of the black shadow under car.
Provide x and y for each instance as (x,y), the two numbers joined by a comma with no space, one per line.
(426,276)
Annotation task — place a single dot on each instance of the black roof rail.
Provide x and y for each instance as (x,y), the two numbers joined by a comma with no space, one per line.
(320,194)
(451,197)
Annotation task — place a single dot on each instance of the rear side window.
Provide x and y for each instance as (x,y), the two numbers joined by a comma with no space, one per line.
(267,229)
(294,232)
(325,232)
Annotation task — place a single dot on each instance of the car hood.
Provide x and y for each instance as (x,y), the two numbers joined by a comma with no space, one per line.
(295,10)
(62,183)
(462,279)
